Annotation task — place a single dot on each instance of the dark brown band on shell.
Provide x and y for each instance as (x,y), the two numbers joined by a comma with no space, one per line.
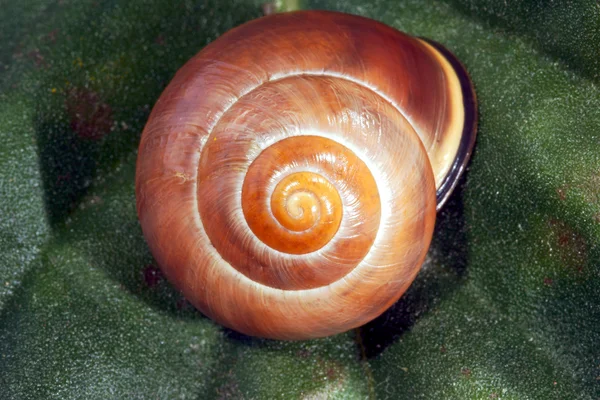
(469,132)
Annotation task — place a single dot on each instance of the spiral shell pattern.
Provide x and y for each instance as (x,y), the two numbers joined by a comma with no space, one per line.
(279,187)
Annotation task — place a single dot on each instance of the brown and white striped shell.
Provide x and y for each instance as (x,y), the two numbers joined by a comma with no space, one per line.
(287,176)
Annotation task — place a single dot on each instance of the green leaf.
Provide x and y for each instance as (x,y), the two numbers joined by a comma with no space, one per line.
(507,305)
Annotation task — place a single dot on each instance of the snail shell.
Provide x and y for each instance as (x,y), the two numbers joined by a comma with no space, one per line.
(287,176)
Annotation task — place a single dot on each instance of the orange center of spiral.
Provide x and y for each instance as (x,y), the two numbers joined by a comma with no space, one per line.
(305,201)
(295,210)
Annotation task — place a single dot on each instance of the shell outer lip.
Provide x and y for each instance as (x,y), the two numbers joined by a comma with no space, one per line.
(469,132)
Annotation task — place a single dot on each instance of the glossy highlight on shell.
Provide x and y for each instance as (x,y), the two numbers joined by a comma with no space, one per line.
(288,177)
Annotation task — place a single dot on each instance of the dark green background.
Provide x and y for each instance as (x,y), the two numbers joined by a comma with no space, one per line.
(507,305)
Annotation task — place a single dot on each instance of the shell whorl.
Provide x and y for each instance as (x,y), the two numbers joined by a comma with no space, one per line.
(283,181)
(254,152)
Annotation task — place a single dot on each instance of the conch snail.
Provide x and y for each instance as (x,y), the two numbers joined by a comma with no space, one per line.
(288,176)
